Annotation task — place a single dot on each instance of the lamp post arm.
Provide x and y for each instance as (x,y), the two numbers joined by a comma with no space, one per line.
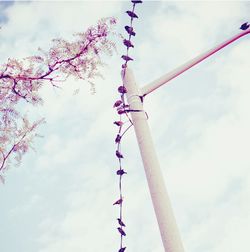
(179,70)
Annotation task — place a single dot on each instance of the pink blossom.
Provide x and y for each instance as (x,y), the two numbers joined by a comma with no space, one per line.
(21,80)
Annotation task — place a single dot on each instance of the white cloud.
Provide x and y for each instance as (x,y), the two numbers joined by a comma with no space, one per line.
(33,24)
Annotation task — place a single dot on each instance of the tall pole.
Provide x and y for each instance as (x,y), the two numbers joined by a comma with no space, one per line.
(162,207)
(161,203)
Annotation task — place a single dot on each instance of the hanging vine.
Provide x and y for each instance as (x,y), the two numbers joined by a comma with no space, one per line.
(122,110)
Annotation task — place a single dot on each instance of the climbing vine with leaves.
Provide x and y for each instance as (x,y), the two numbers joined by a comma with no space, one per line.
(124,119)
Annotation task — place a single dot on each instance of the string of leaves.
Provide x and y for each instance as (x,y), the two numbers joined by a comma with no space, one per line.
(122,110)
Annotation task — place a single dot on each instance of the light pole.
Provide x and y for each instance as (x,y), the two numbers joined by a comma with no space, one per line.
(161,203)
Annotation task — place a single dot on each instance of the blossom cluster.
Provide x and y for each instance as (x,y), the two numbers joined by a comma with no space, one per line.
(22,80)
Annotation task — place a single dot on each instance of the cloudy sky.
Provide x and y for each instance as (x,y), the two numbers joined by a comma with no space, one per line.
(60,198)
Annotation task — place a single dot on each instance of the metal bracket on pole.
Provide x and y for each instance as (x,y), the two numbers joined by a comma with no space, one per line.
(162,207)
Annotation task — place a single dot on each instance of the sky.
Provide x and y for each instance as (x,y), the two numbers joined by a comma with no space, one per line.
(60,198)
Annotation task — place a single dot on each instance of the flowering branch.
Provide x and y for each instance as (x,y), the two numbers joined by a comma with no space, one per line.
(21,80)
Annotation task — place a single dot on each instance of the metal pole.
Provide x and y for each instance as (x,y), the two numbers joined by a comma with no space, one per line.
(162,207)
(179,70)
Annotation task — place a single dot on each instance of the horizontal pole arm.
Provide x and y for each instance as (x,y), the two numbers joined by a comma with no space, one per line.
(179,70)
